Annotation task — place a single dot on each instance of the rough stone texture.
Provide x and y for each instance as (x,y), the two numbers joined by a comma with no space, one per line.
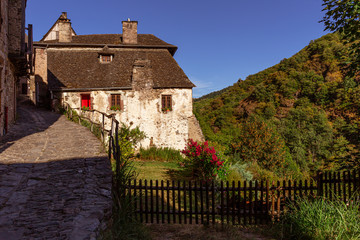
(195,131)
(16,30)
(61,30)
(143,109)
(55,179)
(7,77)
(39,82)
(129,32)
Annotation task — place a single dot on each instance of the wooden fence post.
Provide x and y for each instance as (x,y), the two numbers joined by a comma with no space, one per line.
(319,184)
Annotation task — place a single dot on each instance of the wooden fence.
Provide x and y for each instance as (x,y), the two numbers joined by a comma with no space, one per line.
(244,203)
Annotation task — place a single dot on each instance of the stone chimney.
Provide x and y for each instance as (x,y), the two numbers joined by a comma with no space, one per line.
(142,75)
(64,28)
(129,32)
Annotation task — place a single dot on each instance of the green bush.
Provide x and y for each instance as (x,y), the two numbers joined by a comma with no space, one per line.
(322,219)
(160,154)
(128,139)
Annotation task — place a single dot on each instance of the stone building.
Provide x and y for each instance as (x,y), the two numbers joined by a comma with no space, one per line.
(131,75)
(13,57)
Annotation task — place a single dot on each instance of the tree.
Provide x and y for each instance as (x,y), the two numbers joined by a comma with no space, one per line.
(344,16)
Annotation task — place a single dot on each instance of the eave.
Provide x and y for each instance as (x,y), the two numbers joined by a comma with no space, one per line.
(171,48)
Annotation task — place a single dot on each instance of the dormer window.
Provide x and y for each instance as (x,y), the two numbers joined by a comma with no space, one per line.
(106,58)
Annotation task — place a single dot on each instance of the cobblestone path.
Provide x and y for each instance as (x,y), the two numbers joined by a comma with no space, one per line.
(55,179)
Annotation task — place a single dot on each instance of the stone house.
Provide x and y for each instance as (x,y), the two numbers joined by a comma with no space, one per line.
(13,58)
(131,75)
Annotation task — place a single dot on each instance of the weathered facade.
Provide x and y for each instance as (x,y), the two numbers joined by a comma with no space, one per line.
(131,75)
(13,60)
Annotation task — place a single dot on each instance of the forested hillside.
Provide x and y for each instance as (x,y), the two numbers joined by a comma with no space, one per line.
(292,119)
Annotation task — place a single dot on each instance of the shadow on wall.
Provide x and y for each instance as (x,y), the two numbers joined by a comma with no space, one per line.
(42,92)
(30,120)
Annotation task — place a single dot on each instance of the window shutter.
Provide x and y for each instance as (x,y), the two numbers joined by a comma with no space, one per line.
(109,99)
(121,104)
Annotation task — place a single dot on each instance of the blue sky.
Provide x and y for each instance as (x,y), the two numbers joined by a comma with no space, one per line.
(219,41)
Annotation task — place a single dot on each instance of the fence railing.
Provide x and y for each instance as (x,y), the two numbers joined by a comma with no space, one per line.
(109,128)
(244,203)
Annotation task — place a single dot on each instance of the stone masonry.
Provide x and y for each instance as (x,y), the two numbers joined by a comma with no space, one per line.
(55,179)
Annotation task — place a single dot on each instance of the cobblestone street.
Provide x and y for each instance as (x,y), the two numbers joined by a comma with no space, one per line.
(55,179)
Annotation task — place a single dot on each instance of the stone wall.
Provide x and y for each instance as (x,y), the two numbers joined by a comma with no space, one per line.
(143,108)
(7,77)
(16,30)
(38,82)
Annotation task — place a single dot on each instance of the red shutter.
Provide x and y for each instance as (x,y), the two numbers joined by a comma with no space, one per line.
(85,100)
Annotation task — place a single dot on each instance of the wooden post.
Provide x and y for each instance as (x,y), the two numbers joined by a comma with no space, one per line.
(207,202)
(141,202)
(184,190)
(168,199)
(227,201)
(245,206)
(146,203)
(179,201)
(201,203)
(190,202)
(233,203)
(162,202)
(256,202)
(196,203)
(151,202)
(319,184)
(222,202)
(103,128)
(157,201)
(213,201)
(174,201)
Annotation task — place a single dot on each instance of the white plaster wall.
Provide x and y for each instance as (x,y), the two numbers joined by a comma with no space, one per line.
(143,109)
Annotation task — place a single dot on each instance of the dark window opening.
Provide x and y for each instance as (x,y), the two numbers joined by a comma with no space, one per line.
(24,88)
(166,103)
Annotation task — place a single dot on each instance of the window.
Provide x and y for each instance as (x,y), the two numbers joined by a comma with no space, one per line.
(85,101)
(116,103)
(106,58)
(166,103)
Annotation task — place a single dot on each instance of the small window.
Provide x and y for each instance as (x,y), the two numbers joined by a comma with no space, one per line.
(85,101)
(106,58)
(166,103)
(116,103)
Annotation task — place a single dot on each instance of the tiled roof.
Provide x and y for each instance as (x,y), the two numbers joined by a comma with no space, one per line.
(75,69)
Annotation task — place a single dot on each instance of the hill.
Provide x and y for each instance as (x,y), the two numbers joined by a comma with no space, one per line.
(295,118)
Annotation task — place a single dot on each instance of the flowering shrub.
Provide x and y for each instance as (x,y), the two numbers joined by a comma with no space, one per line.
(203,161)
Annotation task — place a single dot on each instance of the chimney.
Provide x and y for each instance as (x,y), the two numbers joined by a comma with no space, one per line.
(129,32)
(64,27)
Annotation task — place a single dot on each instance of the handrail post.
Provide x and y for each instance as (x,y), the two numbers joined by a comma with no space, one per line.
(103,128)
(117,158)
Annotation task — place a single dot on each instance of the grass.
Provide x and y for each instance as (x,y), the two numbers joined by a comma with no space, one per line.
(321,219)
(154,170)
(160,154)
